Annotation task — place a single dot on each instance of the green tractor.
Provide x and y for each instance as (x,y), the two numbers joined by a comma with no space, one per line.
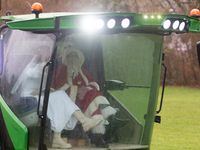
(123,55)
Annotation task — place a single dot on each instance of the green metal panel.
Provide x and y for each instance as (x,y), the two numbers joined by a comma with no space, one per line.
(147,22)
(16,129)
(153,96)
(194,27)
(32,24)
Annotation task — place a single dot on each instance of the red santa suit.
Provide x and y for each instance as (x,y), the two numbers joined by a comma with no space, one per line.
(92,98)
(90,103)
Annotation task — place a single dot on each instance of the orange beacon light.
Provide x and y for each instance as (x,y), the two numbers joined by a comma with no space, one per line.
(194,13)
(36,8)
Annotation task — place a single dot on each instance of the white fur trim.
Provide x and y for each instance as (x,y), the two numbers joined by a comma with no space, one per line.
(84,77)
(69,80)
(95,104)
(89,88)
(73,93)
(99,129)
(104,121)
(106,112)
(64,87)
(95,85)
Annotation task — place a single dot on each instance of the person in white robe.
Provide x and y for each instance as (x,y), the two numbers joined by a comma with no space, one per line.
(62,111)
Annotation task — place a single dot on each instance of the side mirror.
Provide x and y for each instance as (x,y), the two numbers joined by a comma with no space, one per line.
(198,51)
(114,85)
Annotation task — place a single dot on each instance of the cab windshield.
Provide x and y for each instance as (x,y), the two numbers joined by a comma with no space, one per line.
(117,69)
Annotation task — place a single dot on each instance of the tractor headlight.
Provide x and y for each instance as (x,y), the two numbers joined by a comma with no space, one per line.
(167,24)
(182,26)
(125,23)
(97,23)
(111,23)
(177,24)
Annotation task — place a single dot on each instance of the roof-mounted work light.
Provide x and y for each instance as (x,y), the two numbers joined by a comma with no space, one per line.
(96,23)
(182,26)
(125,23)
(176,24)
(99,23)
(166,24)
(111,23)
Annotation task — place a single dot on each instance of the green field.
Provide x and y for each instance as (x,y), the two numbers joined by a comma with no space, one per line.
(180,124)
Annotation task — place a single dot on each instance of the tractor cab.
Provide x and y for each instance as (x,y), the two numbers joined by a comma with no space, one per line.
(122,53)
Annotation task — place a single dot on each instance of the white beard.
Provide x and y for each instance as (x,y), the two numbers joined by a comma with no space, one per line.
(73,67)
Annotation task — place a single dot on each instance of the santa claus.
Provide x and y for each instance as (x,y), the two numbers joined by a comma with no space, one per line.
(84,91)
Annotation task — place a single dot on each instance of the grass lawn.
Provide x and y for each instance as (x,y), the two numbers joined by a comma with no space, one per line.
(180,124)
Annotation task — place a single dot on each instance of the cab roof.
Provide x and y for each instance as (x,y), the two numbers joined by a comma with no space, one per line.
(42,15)
(152,23)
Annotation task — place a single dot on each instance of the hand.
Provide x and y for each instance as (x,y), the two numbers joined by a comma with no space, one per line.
(37,92)
(52,89)
(81,92)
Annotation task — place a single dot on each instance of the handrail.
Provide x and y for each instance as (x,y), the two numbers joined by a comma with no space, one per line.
(40,91)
